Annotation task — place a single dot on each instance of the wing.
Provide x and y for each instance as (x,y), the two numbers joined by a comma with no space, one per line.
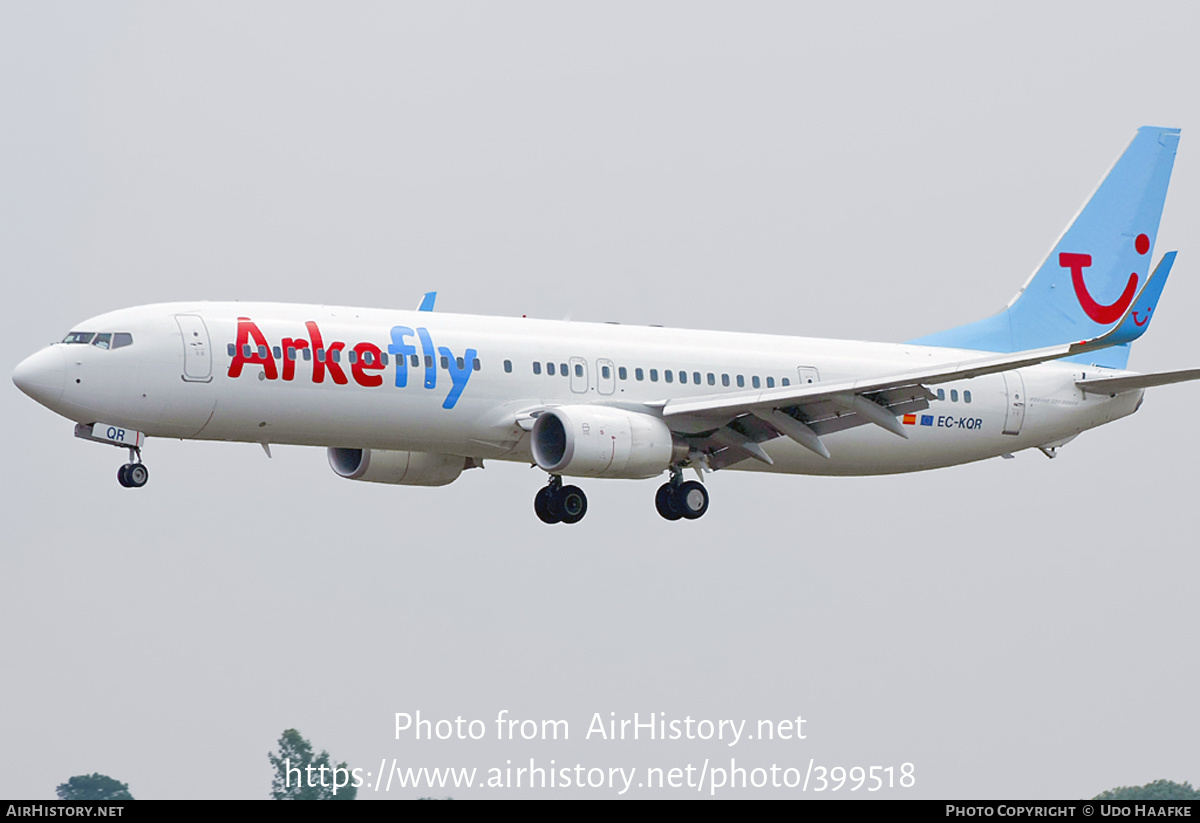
(728,428)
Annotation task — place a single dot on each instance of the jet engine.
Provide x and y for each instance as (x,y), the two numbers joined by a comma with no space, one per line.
(403,467)
(600,441)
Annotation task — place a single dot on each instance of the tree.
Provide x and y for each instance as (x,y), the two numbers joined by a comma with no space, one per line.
(93,787)
(1158,790)
(300,776)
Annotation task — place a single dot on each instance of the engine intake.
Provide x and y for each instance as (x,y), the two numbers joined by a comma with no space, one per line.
(600,441)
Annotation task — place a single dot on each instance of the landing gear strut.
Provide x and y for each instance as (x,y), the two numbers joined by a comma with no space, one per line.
(134,474)
(677,498)
(557,503)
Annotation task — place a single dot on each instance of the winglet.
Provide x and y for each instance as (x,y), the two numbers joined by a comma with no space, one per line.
(1137,318)
(427,301)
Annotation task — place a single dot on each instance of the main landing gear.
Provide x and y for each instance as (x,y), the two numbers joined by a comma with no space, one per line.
(557,503)
(134,474)
(678,498)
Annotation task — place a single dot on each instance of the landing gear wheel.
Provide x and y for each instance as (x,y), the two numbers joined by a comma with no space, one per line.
(123,475)
(664,501)
(543,506)
(572,502)
(691,499)
(137,474)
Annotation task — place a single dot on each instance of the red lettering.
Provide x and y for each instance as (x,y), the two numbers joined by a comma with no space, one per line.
(321,364)
(289,365)
(247,331)
(361,365)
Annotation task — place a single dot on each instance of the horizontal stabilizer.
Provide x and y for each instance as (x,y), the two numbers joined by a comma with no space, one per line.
(1116,385)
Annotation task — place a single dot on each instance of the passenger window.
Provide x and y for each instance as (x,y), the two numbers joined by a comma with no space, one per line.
(429,361)
(770,382)
(335,355)
(966,397)
(712,379)
(562,369)
(954,395)
(741,382)
(755,382)
(246,352)
(445,362)
(622,373)
(458,361)
(291,353)
(550,369)
(682,376)
(654,375)
(278,354)
(637,374)
(416,361)
(508,367)
(262,352)
(307,354)
(605,371)
(537,367)
(725,380)
(669,376)
(578,370)
(696,377)
(785,382)
(941,394)
(383,358)
(320,355)
(475,364)
(232,349)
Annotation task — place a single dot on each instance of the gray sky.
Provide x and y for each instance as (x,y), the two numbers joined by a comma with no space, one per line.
(878,171)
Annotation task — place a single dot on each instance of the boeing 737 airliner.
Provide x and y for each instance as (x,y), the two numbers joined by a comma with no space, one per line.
(416,397)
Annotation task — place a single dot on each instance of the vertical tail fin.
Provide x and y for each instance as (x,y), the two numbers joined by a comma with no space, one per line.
(1095,269)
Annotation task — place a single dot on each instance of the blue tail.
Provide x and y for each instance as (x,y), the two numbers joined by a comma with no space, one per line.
(1096,269)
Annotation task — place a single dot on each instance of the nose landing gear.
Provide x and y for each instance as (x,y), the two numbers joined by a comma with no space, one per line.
(557,503)
(134,474)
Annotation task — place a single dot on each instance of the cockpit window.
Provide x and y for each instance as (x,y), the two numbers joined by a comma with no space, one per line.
(104,340)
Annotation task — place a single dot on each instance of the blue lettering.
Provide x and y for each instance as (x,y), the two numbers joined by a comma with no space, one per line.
(115,434)
(456,373)
(430,365)
(402,350)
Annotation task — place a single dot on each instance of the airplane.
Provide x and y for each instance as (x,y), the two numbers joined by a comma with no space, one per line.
(418,397)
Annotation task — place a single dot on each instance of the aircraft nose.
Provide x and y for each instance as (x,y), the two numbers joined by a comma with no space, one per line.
(42,375)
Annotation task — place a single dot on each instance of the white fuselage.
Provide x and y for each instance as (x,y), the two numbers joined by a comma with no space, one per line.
(186,375)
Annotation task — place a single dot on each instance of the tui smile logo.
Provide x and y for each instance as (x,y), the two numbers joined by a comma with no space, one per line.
(1099,312)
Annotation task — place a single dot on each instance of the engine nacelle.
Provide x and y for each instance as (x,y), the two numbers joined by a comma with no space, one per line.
(405,468)
(600,441)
